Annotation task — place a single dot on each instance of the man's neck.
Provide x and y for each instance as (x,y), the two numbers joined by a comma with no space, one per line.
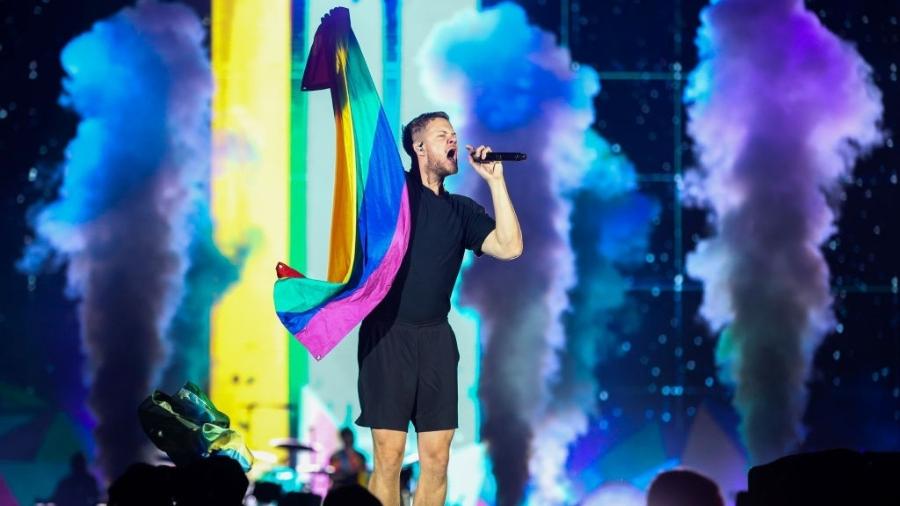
(431,181)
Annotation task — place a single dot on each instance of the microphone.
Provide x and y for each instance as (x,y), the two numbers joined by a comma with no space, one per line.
(502,156)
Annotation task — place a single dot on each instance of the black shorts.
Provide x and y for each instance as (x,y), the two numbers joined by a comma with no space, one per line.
(408,372)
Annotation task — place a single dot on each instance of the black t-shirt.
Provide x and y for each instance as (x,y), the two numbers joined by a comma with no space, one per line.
(443,227)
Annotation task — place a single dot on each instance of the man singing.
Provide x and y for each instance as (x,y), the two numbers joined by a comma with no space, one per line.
(408,354)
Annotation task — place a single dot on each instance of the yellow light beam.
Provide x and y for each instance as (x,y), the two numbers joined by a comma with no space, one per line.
(250,205)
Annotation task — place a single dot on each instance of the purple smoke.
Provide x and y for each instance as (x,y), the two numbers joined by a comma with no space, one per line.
(141,83)
(780,109)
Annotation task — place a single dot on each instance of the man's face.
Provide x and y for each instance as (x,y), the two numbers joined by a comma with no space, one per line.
(441,151)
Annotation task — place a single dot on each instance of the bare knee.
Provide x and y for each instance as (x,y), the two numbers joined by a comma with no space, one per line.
(388,461)
(433,461)
(389,454)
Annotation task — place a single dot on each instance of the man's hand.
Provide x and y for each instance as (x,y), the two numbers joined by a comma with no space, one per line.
(505,241)
(490,171)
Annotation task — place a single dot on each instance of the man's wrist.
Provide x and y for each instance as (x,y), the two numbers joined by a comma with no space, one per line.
(498,180)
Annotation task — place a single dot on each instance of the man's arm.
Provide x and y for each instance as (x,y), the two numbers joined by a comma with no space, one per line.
(505,241)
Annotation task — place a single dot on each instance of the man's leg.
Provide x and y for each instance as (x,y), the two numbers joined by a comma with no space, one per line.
(385,480)
(434,455)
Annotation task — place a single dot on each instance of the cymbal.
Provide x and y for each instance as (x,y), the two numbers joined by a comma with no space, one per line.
(290,443)
(299,471)
(262,456)
(314,469)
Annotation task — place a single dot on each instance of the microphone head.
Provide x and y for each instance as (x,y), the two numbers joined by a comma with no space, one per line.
(503,156)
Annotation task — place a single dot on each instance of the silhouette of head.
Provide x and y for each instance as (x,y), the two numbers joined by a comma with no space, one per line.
(347,437)
(347,495)
(682,487)
(215,480)
(142,484)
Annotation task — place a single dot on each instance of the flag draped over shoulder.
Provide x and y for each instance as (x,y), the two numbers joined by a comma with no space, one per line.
(370,221)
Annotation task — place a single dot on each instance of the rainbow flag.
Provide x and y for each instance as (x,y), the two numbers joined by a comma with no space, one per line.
(370,221)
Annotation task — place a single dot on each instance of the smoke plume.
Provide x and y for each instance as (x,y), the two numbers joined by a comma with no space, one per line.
(779,109)
(132,180)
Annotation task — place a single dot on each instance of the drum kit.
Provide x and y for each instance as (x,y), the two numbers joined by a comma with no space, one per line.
(308,478)
(295,476)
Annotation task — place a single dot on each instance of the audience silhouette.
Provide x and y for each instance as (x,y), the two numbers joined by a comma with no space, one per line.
(79,487)
(682,487)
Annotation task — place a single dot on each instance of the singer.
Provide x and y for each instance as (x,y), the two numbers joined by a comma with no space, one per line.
(408,354)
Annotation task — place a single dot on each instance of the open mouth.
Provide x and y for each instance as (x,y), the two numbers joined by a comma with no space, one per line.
(451,154)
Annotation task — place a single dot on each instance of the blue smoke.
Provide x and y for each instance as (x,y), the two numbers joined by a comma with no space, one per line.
(122,137)
(576,205)
(610,227)
(206,280)
(131,200)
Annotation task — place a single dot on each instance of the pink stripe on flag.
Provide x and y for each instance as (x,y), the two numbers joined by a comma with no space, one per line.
(336,319)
